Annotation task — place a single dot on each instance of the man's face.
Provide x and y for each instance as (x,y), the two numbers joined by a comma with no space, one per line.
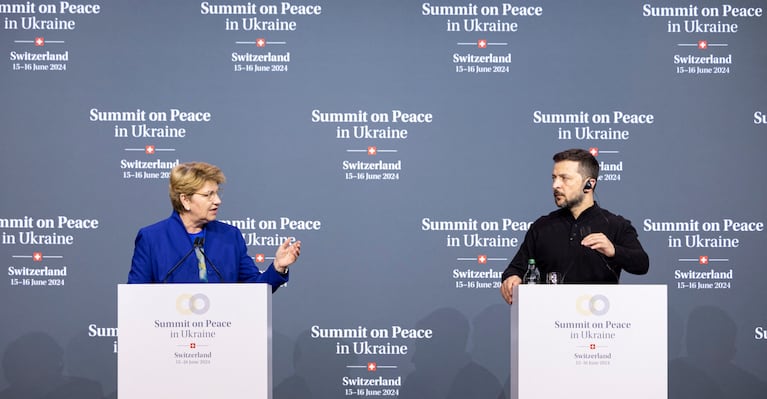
(567,184)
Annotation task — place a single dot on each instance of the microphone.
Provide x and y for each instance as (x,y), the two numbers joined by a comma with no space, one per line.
(586,230)
(197,243)
(215,269)
(571,264)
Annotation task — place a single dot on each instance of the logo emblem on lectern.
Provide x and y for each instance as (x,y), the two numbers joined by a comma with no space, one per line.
(592,305)
(192,304)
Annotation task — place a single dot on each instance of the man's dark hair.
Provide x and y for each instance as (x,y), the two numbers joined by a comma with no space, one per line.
(587,164)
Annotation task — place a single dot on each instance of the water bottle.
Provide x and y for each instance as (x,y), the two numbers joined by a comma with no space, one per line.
(532,275)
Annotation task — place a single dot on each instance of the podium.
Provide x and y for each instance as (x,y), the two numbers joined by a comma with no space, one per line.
(589,341)
(194,341)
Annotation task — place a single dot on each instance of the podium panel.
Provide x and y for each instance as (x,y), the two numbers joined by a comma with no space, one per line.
(194,341)
(589,341)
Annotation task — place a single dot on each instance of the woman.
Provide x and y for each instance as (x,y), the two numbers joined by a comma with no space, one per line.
(192,247)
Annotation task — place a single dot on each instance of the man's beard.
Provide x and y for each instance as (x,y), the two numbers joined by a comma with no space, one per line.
(569,204)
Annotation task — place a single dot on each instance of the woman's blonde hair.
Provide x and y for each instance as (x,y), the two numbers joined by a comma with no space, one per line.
(187,178)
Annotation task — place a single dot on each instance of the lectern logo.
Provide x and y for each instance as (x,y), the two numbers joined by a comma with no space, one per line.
(192,304)
(592,305)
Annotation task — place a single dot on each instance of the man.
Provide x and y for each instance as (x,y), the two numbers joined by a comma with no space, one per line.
(581,241)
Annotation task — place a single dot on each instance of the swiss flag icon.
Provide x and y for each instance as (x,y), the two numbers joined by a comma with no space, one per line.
(482,43)
(40,41)
(149,149)
(260,258)
(703,260)
(482,259)
(260,42)
(702,44)
(37,256)
(592,346)
(372,366)
(192,345)
(372,150)
(594,151)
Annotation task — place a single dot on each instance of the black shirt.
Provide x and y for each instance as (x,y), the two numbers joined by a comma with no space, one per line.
(554,241)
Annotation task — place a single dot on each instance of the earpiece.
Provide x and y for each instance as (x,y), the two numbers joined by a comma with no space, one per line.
(588,186)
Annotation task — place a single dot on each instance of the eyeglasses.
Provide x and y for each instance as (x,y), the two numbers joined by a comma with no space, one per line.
(211,195)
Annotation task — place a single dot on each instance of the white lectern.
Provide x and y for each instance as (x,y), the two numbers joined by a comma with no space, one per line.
(589,341)
(194,341)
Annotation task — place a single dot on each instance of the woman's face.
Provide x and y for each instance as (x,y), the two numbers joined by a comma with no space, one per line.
(202,206)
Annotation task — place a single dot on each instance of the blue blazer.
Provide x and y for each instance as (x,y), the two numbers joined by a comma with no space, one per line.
(161,246)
